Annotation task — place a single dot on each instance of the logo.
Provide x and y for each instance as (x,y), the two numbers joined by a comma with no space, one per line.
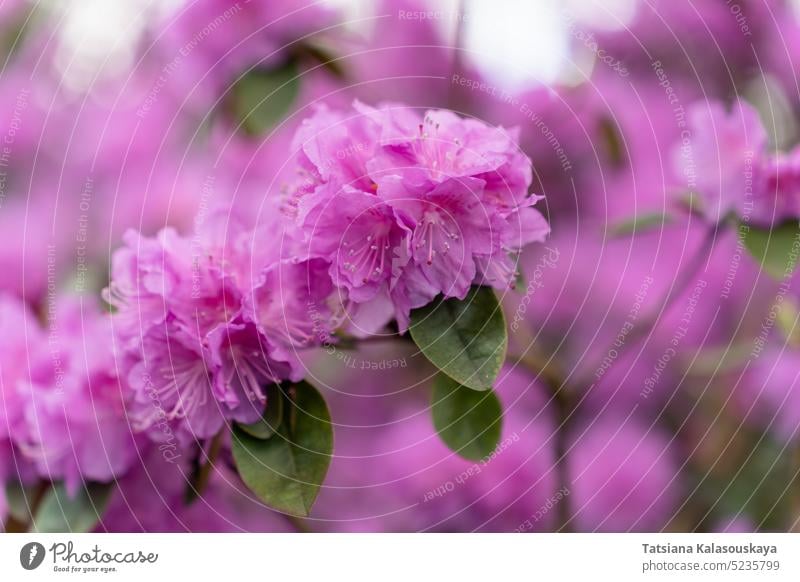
(31,555)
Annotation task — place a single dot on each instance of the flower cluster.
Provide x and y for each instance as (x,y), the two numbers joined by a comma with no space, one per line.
(203,329)
(406,206)
(62,399)
(392,211)
(208,44)
(733,169)
(652,358)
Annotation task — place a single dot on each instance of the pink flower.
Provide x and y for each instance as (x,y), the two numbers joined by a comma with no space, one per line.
(290,306)
(404,58)
(151,498)
(441,146)
(779,177)
(393,472)
(18,331)
(769,394)
(724,146)
(405,207)
(734,171)
(362,233)
(73,425)
(171,389)
(205,327)
(213,42)
(623,477)
(19,335)
(243,365)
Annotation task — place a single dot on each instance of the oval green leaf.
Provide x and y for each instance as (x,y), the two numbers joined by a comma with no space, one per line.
(60,512)
(775,249)
(469,422)
(466,339)
(262,97)
(19,499)
(641,223)
(287,470)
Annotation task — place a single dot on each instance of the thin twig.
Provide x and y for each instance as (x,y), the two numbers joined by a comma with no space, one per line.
(204,472)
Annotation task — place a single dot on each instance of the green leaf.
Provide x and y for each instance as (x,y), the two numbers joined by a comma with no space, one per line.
(520,282)
(61,513)
(467,340)
(788,321)
(774,249)
(19,499)
(16,29)
(691,202)
(469,422)
(612,138)
(754,478)
(287,470)
(262,97)
(271,420)
(640,223)
(321,55)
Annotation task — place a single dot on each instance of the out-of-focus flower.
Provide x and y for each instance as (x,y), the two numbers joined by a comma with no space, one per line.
(623,477)
(18,331)
(723,155)
(405,207)
(734,172)
(399,55)
(20,334)
(73,400)
(10,7)
(207,44)
(708,42)
(596,304)
(769,392)
(779,176)
(151,497)
(397,475)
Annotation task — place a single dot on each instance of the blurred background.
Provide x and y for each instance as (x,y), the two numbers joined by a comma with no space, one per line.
(142,115)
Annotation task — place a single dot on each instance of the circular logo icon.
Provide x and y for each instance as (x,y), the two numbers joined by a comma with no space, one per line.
(31,555)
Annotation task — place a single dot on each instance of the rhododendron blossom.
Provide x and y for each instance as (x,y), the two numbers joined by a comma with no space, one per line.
(734,171)
(63,399)
(393,210)
(203,332)
(288,266)
(406,205)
